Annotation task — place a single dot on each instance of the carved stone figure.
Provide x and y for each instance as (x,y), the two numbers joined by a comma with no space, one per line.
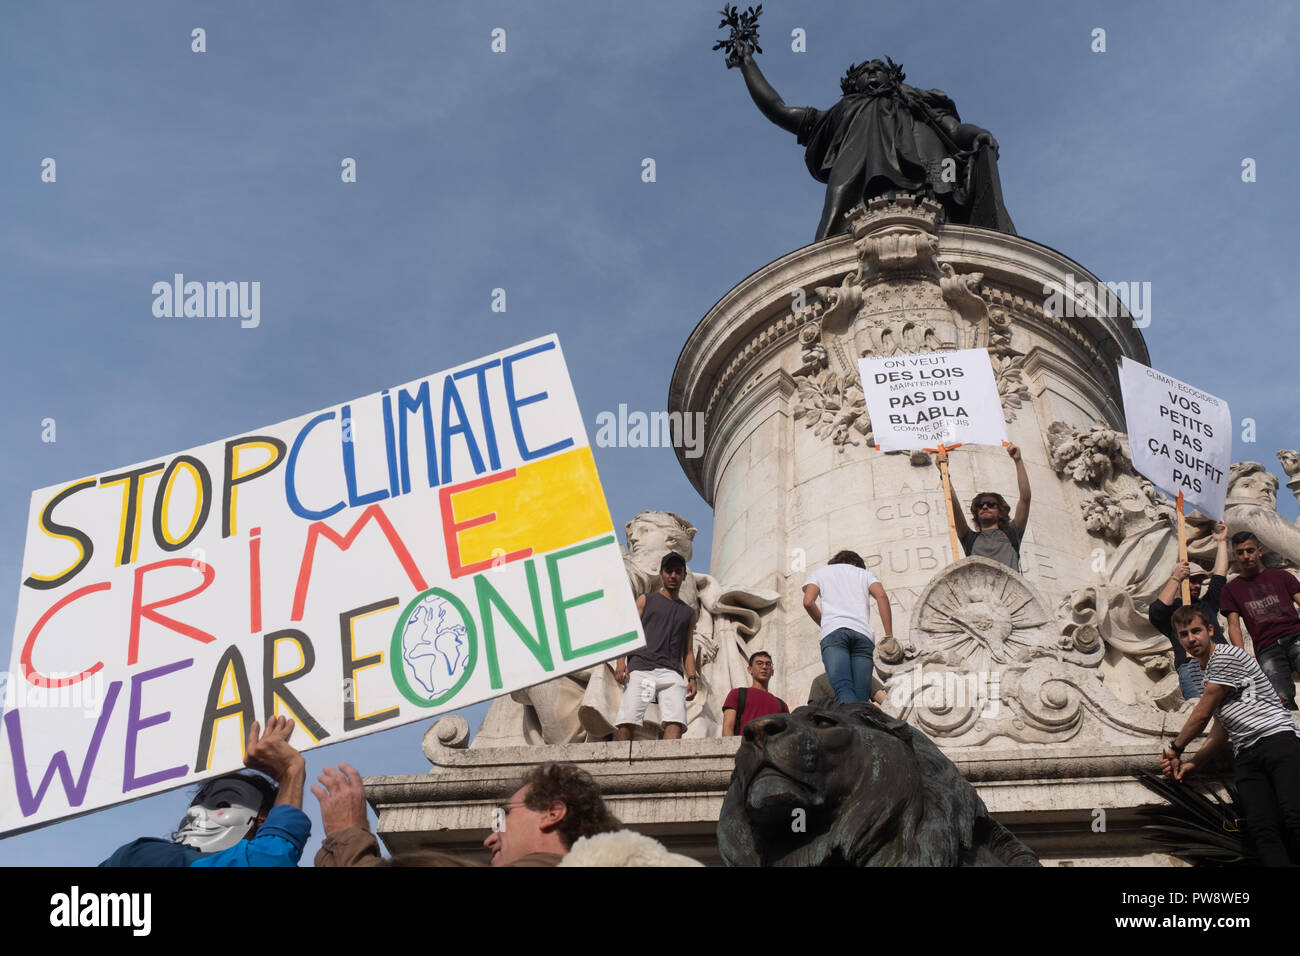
(882,136)
(1252,506)
(582,706)
(1137,527)
(1291,465)
(870,790)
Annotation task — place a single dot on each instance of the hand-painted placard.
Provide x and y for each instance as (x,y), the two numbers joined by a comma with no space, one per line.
(920,400)
(1179,436)
(436,544)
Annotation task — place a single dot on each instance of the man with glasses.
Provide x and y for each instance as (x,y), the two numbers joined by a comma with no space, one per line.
(996,535)
(556,805)
(744,704)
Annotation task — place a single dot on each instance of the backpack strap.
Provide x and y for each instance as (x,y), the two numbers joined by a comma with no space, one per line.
(740,708)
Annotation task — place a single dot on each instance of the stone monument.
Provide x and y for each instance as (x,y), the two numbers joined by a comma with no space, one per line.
(1048,689)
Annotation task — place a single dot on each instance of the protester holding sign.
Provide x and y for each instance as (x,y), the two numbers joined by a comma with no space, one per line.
(1190,676)
(1266,599)
(374,563)
(238,819)
(996,535)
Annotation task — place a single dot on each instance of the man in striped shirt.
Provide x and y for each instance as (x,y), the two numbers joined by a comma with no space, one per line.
(1264,738)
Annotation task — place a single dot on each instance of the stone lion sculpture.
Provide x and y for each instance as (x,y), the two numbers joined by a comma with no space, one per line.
(844,784)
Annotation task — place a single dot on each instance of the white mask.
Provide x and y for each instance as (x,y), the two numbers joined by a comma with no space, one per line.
(221,815)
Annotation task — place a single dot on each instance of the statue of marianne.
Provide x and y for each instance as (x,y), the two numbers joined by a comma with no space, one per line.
(882,136)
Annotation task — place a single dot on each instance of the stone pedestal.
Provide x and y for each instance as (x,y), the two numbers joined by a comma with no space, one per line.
(1048,689)
(673,790)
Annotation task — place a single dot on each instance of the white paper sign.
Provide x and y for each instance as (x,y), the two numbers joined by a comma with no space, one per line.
(1179,436)
(920,400)
(379,562)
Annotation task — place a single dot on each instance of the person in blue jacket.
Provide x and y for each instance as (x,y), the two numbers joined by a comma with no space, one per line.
(238,819)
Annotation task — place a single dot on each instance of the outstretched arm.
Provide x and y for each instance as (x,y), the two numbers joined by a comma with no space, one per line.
(1022,481)
(769,102)
(1220,535)
(877,591)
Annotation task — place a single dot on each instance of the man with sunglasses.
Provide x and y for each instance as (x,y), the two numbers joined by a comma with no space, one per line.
(996,535)
(744,704)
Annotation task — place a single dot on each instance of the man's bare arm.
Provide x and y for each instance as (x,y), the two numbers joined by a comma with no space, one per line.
(877,591)
(1206,707)
(810,592)
(1234,630)
(1170,591)
(1220,535)
(1021,519)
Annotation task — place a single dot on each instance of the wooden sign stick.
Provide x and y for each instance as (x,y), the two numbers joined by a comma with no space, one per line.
(957,552)
(1182,550)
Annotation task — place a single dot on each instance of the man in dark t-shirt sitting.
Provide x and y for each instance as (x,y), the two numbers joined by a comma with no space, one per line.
(996,534)
(1190,679)
(744,704)
(665,667)
(1266,599)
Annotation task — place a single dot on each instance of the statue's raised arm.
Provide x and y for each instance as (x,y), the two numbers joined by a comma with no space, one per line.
(740,48)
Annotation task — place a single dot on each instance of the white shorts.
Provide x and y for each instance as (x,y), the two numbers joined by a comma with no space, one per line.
(642,686)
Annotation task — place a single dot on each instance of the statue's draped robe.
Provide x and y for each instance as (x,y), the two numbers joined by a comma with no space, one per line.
(876,143)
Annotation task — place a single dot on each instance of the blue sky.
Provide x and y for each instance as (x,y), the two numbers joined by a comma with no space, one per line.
(522,171)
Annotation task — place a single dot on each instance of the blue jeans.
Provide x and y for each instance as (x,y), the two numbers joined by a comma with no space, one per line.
(1277,661)
(846,654)
(1191,679)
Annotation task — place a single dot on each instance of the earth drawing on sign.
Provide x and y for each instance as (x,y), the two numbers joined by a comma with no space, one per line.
(434,646)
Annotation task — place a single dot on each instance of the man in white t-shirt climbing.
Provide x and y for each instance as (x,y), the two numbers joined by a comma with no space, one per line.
(844,616)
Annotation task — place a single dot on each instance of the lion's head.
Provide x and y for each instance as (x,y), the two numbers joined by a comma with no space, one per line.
(844,784)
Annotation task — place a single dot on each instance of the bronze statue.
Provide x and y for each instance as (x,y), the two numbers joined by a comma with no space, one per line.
(882,136)
(844,784)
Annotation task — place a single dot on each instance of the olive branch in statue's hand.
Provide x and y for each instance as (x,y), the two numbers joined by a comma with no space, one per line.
(744,34)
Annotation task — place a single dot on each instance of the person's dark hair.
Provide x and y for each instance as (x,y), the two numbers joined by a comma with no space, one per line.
(585,811)
(1184,616)
(757,654)
(1004,509)
(848,557)
(672,560)
(1241,537)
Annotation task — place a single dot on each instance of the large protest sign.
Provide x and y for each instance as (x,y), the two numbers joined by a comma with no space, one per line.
(922,400)
(382,561)
(1179,436)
